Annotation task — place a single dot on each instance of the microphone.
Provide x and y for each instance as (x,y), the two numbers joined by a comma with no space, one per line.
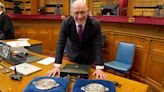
(16,76)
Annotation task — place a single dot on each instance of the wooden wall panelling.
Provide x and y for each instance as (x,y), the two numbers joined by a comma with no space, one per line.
(107,29)
(130,8)
(161,28)
(107,51)
(66,7)
(116,1)
(89,4)
(41,3)
(141,55)
(34,6)
(40,34)
(140,30)
(2,1)
(55,35)
(37,33)
(155,66)
(55,39)
(19,33)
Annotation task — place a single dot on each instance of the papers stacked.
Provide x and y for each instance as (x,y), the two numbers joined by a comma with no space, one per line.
(19,43)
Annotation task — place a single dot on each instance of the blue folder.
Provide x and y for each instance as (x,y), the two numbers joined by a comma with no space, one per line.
(83,82)
(63,85)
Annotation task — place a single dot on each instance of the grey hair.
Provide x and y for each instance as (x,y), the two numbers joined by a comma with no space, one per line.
(77,2)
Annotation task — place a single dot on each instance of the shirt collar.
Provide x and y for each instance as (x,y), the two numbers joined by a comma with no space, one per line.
(1,12)
(78,24)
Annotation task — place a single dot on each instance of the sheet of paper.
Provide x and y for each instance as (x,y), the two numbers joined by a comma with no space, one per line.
(18,43)
(47,61)
(23,39)
(25,68)
(1,66)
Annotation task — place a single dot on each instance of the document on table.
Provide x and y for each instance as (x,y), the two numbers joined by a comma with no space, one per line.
(18,43)
(23,39)
(26,68)
(47,61)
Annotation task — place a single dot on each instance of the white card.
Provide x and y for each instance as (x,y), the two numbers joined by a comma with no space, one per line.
(47,61)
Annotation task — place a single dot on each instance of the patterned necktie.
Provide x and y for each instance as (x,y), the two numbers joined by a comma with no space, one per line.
(80,33)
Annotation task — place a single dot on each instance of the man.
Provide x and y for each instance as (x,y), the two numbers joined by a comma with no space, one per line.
(80,36)
(6,27)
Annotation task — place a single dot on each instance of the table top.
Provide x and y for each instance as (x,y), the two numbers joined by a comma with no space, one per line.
(9,85)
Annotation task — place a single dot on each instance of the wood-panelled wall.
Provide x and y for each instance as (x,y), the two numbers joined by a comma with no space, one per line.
(46,31)
(148,63)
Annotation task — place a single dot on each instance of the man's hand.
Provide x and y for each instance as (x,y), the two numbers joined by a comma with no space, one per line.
(99,74)
(54,71)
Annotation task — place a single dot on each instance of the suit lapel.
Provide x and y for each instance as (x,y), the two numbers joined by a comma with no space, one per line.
(74,32)
(86,30)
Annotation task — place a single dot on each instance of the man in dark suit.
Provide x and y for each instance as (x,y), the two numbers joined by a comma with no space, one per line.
(6,27)
(81,38)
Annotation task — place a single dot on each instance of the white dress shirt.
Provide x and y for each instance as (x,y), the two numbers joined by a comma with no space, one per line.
(1,12)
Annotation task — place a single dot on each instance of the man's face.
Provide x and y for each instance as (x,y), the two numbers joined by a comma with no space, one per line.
(80,14)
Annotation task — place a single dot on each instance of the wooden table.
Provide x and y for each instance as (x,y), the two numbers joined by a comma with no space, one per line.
(9,85)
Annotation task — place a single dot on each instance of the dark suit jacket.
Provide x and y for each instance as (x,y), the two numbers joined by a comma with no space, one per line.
(6,27)
(89,50)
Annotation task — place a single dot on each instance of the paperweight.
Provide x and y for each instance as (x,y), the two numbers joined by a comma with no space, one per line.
(94,87)
(45,84)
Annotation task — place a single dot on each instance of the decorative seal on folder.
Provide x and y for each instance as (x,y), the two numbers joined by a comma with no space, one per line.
(45,84)
(94,87)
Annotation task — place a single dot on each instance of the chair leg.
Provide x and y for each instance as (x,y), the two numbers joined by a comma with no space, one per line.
(109,70)
(120,74)
(113,71)
(127,75)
